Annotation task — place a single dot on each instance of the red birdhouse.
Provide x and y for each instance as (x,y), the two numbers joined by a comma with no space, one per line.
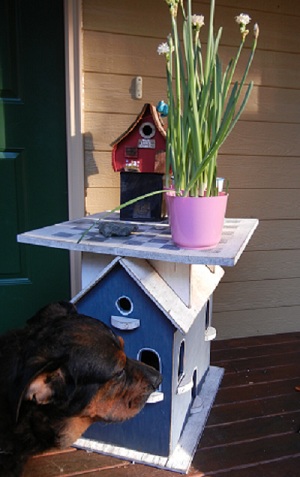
(143,145)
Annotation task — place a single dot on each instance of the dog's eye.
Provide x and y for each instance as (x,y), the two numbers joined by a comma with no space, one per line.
(120,374)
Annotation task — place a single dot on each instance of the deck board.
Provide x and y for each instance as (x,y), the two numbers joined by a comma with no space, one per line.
(262,375)
(253,429)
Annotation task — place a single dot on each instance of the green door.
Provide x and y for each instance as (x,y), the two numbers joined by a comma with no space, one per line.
(33,163)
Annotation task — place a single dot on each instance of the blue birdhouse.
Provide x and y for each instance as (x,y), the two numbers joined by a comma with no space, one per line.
(158,328)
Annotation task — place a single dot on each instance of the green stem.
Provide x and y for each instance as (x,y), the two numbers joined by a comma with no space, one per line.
(120,207)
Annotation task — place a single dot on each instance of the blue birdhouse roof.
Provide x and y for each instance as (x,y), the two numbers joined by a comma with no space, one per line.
(158,290)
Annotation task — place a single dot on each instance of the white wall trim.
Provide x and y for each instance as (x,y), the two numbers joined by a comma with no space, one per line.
(73,61)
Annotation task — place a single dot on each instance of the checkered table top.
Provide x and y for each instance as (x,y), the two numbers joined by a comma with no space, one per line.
(151,241)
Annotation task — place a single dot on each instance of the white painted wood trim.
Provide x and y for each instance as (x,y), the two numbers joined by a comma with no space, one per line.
(184,388)
(178,276)
(124,323)
(156,396)
(73,71)
(210,333)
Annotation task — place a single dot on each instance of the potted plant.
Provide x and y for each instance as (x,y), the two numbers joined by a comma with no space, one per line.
(204,104)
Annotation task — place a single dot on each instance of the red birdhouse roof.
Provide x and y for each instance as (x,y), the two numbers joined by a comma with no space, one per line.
(147,108)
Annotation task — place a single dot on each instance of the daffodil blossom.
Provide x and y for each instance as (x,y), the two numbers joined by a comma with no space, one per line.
(197,21)
(243,19)
(163,49)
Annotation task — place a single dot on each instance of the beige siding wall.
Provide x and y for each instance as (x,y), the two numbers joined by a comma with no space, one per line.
(261,157)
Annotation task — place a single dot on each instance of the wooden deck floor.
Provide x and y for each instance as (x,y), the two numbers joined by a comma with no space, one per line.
(253,429)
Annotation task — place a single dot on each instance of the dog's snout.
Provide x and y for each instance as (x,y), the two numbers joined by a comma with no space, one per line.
(157,381)
(151,375)
(155,377)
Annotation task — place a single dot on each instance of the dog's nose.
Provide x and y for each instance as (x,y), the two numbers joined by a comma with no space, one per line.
(157,381)
(154,377)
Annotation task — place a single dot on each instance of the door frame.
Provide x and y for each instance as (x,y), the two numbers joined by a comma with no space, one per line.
(74,126)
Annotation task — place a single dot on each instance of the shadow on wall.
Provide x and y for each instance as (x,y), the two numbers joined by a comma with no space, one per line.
(90,166)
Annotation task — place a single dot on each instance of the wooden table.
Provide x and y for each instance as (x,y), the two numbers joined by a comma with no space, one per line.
(181,282)
(152,241)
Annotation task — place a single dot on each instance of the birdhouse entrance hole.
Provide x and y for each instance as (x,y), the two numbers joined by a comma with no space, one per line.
(207,314)
(194,388)
(181,361)
(150,357)
(147,130)
(124,305)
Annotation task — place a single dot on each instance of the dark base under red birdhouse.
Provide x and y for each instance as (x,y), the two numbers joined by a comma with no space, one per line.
(135,184)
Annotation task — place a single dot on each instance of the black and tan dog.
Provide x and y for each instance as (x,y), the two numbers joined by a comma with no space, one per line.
(58,375)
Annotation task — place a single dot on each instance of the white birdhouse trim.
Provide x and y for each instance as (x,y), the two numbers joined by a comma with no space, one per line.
(124,323)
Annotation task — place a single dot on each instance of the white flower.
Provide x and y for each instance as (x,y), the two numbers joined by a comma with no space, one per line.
(163,49)
(197,21)
(243,19)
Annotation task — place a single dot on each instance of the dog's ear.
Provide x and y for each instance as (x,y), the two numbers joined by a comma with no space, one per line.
(41,384)
(42,388)
(53,310)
